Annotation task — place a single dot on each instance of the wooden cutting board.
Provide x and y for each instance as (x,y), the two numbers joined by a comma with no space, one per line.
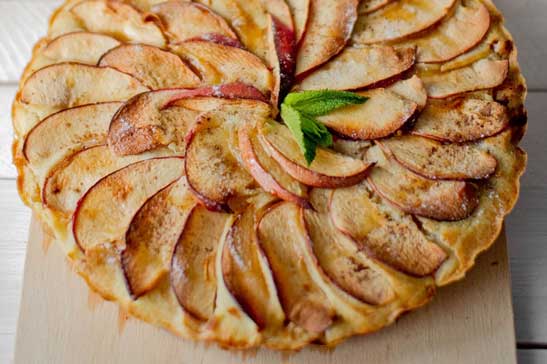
(62,322)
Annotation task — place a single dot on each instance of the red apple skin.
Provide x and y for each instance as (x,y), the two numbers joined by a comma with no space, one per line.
(285,46)
(219,39)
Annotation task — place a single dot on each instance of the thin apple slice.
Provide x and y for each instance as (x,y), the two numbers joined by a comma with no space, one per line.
(342,266)
(282,237)
(152,235)
(183,20)
(384,113)
(158,118)
(329,169)
(106,210)
(413,194)
(154,67)
(220,64)
(70,179)
(399,20)
(119,20)
(383,233)
(281,11)
(328,28)
(81,47)
(66,85)
(193,273)
(243,271)
(434,160)
(368,6)
(82,126)
(412,89)
(480,75)
(281,39)
(300,10)
(455,35)
(267,172)
(359,67)
(212,166)
(461,120)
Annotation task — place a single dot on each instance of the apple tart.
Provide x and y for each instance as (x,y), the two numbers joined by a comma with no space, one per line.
(149,142)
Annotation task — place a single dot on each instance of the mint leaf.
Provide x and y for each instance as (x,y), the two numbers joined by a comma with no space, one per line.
(299,110)
(322,102)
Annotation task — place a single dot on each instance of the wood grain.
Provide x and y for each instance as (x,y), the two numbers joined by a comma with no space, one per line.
(470,321)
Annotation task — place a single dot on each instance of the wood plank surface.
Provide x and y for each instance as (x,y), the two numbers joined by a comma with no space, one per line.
(468,322)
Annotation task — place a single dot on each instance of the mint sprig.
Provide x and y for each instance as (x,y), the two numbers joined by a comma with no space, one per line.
(299,110)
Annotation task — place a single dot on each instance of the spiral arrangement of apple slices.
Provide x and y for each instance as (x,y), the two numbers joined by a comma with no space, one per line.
(148,141)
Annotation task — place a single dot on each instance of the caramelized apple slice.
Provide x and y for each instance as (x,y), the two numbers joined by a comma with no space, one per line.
(399,19)
(300,10)
(345,268)
(220,64)
(119,20)
(328,29)
(281,39)
(152,235)
(434,160)
(282,237)
(383,233)
(267,172)
(152,66)
(186,20)
(461,120)
(455,35)
(67,85)
(439,200)
(70,179)
(82,126)
(329,169)
(359,67)
(412,89)
(384,113)
(81,47)
(242,269)
(212,165)
(368,6)
(280,10)
(158,118)
(106,210)
(193,273)
(480,75)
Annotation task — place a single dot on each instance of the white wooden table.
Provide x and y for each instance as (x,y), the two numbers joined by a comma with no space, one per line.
(23,21)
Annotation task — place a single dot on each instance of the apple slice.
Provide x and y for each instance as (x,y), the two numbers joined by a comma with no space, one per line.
(438,200)
(106,210)
(193,273)
(384,113)
(70,179)
(329,169)
(243,271)
(328,28)
(300,10)
(368,6)
(461,120)
(220,64)
(359,67)
(282,41)
(154,67)
(282,238)
(280,10)
(267,172)
(82,126)
(186,20)
(81,47)
(353,148)
(212,165)
(119,20)
(455,35)
(158,118)
(412,89)
(383,233)
(152,235)
(434,160)
(480,75)
(66,85)
(399,19)
(345,268)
